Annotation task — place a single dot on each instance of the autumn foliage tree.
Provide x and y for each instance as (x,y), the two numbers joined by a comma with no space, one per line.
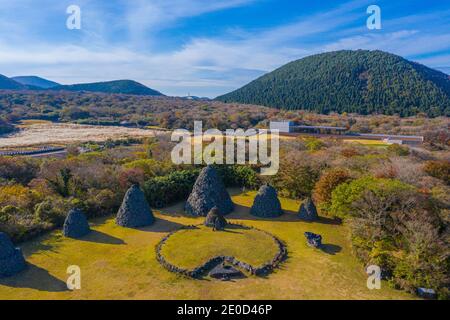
(438,169)
(325,186)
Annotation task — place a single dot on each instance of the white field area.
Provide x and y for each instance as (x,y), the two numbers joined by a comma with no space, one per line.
(44,133)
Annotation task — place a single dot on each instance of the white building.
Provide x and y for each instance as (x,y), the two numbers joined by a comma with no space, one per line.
(282,126)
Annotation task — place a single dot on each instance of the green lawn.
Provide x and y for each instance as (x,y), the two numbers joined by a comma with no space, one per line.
(119,263)
(247,245)
(368,143)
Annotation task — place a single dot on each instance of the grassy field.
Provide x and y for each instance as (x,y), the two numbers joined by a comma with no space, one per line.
(368,143)
(37,132)
(119,263)
(247,245)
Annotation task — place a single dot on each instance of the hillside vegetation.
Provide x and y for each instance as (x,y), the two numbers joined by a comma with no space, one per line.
(8,84)
(34,81)
(118,86)
(393,202)
(363,82)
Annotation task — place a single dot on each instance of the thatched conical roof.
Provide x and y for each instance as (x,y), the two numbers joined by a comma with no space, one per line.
(266,203)
(208,192)
(11,258)
(215,220)
(76,224)
(308,211)
(135,211)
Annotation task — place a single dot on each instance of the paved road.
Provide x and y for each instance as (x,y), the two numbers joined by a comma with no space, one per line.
(47,154)
(36,153)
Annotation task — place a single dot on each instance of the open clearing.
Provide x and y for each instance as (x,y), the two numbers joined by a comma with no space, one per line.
(368,143)
(120,263)
(44,133)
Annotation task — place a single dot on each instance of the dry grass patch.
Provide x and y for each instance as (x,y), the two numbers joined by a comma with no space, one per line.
(45,133)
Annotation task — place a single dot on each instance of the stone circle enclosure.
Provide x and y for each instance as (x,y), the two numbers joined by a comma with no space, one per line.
(201,269)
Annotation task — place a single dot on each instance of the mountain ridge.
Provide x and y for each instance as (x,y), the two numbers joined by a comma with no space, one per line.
(35,81)
(114,86)
(9,84)
(358,81)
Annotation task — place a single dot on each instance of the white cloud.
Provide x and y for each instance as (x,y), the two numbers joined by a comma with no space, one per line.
(144,16)
(203,66)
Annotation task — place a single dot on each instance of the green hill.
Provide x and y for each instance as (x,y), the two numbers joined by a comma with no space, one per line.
(118,86)
(8,84)
(360,81)
(35,81)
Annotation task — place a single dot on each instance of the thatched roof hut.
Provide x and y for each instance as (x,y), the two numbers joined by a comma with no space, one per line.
(266,203)
(11,258)
(209,192)
(135,211)
(215,220)
(308,211)
(76,224)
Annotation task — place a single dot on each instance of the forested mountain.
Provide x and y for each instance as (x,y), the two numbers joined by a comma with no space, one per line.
(35,81)
(9,84)
(359,81)
(113,87)
(118,86)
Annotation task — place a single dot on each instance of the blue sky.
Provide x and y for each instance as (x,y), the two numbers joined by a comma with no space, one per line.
(207,47)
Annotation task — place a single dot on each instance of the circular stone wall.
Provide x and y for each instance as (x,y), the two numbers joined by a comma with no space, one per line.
(192,251)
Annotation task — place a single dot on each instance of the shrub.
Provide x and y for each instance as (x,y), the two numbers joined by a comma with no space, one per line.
(162,191)
(396,227)
(18,195)
(62,181)
(149,167)
(9,213)
(325,186)
(52,210)
(102,202)
(438,169)
(398,150)
(314,144)
(296,180)
(239,176)
(347,193)
(21,170)
(349,152)
(176,186)
(129,177)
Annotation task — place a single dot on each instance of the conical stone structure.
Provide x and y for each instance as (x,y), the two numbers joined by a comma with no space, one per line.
(11,258)
(308,211)
(266,203)
(135,211)
(208,192)
(215,220)
(76,224)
